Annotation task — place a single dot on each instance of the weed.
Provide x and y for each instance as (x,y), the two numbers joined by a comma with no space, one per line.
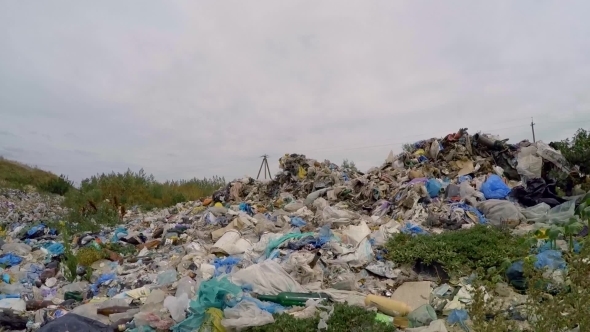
(460,252)
(59,185)
(345,318)
(17,175)
(138,189)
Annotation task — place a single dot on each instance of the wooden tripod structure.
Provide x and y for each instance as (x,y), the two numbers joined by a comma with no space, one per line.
(265,166)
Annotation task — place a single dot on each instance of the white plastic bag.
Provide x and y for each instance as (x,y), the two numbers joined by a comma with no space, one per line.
(267,278)
(245,314)
(499,212)
(177,306)
(529,163)
(537,213)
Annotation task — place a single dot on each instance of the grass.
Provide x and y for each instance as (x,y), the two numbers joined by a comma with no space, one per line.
(345,318)
(17,175)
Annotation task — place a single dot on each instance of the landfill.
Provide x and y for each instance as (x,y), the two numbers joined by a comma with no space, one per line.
(296,244)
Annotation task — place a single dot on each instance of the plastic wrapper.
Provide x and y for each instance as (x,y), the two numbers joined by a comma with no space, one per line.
(498,212)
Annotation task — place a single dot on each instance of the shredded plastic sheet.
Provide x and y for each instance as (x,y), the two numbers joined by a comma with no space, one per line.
(215,293)
(550,259)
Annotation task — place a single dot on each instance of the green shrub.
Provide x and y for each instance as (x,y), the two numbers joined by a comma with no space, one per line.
(460,251)
(138,189)
(59,186)
(345,318)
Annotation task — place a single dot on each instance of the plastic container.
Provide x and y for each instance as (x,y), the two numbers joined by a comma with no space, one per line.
(388,306)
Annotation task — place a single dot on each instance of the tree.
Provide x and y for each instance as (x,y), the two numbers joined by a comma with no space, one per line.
(576,150)
(349,166)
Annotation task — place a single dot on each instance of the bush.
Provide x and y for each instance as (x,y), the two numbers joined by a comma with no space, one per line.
(462,251)
(138,189)
(59,186)
(345,318)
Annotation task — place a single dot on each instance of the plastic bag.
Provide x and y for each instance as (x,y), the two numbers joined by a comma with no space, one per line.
(20,249)
(466,191)
(529,165)
(177,306)
(267,278)
(537,213)
(73,322)
(561,213)
(433,186)
(550,259)
(495,188)
(214,293)
(500,211)
(298,222)
(434,149)
(244,315)
(10,259)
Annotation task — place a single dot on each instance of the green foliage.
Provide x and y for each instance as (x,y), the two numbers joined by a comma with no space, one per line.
(17,175)
(349,166)
(577,150)
(462,251)
(345,318)
(88,255)
(131,189)
(408,147)
(59,186)
(70,261)
(562,310)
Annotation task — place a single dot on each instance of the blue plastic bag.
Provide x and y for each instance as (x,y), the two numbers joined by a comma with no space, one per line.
(10,259)
(433,187)
(465,207)
(298,222)
(495,188)
(225,265)
(458,316)
(245,207)
(550,259)
(55,249)
(409,228)
(120,232)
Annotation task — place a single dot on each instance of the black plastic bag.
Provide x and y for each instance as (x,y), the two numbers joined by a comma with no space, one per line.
(72,322)
(537,191)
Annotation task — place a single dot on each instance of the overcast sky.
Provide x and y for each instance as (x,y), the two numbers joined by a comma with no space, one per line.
(202,88)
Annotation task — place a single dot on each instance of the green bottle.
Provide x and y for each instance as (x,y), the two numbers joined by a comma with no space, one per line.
(289,299)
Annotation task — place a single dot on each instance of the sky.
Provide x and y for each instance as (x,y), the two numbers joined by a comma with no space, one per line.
(192,88)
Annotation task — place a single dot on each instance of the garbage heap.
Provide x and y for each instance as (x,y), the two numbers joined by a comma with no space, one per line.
(253,248)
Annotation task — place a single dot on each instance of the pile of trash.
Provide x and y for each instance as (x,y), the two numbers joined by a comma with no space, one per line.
(296,244)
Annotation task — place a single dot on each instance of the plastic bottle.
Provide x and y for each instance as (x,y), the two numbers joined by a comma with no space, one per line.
(289,299)
(388,306)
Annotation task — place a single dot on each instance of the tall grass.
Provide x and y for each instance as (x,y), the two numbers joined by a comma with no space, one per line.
(139,189)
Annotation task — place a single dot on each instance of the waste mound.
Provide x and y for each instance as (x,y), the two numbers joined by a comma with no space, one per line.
(312,236)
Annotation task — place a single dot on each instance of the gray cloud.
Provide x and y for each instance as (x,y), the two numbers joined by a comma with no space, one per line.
(188,88)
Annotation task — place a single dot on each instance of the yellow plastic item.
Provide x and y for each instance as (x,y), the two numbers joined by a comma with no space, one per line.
(388,306)
(419,152)
(213,320)
(218,204)
(302,172)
